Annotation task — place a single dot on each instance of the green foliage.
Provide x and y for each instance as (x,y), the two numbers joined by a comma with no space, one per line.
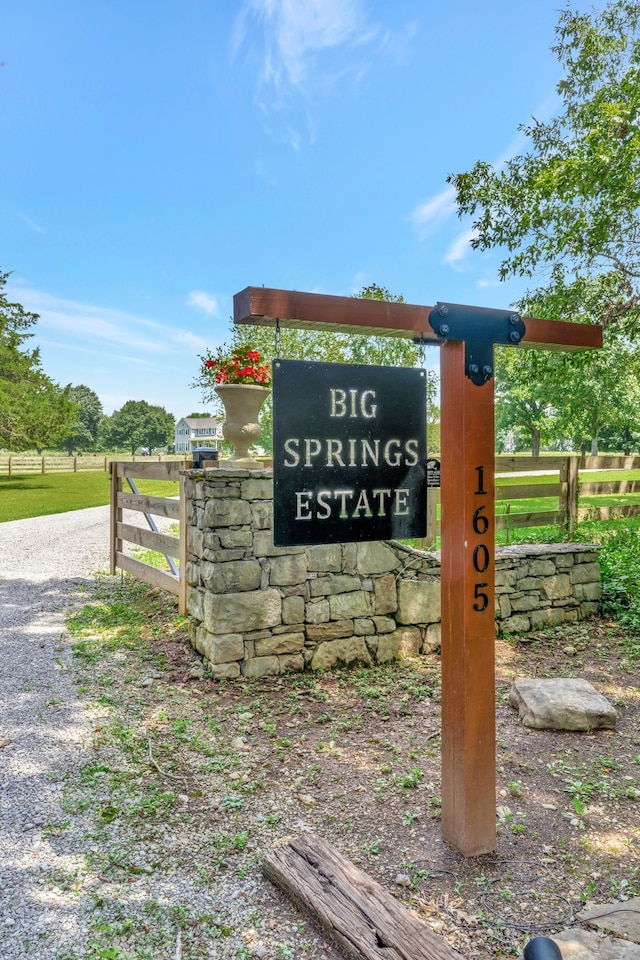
(620,565)
(568,211)
(571,203)
(34,411)
(576,398)
(137,424)
(83,431)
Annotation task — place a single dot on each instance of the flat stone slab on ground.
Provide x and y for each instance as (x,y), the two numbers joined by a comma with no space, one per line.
(578,944)
(561,704)
(622,919)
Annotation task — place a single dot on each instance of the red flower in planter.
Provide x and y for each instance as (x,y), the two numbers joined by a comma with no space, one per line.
(242,366)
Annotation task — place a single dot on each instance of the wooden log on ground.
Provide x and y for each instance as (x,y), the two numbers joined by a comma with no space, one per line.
(362,918)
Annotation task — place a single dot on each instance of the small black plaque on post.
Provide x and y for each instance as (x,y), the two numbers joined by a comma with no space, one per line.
(349,453)
(433,472)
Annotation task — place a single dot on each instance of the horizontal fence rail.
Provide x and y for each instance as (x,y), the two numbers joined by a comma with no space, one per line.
(16,463)
(563,479)
(121,532)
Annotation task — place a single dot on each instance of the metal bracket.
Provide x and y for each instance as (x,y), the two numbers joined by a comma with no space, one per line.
(481,329)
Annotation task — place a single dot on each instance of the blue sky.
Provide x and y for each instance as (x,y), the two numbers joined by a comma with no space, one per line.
(159,157)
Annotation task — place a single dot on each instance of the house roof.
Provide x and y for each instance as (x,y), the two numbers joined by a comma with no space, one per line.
(199,423)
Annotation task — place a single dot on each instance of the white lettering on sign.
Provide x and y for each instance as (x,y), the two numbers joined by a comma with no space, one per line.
(352,453)
(348,404)
(352,462)
(302,504)
(349,503)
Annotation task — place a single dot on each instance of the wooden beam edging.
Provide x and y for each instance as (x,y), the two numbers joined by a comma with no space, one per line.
(358,914)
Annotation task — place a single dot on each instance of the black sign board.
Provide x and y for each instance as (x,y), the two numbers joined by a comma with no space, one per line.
(349,453)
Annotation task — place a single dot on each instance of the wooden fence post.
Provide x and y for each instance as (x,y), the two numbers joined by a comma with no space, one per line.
(572,494)
(115,516)
(564,495)
(433,499)
(569,494)
(43,470)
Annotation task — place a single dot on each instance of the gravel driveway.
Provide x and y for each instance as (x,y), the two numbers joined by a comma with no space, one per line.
(46,561)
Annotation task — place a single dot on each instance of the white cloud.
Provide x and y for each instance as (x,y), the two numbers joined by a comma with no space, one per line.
(432,213)
(97,350)
(95,326)
(203,301)
(460,247)
(359,280)
(296,40)
(295,30)
(31,223)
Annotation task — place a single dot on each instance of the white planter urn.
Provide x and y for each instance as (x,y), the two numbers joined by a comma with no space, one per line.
(242,403)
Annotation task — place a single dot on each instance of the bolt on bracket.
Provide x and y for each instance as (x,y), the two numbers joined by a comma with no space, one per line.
(481,329)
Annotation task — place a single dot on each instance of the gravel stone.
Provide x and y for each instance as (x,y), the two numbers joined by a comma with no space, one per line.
(49,884)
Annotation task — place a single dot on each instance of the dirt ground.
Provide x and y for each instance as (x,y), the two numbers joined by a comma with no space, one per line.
(355,756)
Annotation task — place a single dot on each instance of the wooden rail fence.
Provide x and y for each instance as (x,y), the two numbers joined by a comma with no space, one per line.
(567,482)
(572,485)
(166,507)
(17,464)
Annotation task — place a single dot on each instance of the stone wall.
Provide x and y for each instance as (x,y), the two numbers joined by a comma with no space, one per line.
(258,610)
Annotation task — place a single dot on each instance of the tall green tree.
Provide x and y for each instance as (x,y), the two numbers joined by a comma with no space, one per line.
(50,411)
(572,397)
(568,209)
(526,395)
(83,431)
(137,424)
(34,411)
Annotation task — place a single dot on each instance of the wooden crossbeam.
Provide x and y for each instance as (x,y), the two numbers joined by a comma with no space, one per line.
(263,306)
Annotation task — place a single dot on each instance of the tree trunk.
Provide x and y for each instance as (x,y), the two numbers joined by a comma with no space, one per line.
(535,442)
(594,447)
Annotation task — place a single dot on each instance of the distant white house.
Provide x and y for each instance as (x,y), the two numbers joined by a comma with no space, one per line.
(192,432)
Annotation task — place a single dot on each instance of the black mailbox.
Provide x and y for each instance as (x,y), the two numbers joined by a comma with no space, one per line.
(204,455)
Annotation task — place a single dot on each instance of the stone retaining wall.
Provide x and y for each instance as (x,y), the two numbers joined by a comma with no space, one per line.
(258,610)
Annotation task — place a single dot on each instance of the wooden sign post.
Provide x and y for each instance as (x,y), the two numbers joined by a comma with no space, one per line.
(467,336)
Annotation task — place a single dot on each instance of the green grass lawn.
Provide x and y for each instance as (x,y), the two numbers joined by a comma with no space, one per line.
(37,495)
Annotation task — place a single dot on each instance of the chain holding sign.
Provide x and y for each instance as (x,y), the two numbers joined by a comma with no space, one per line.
(349,453)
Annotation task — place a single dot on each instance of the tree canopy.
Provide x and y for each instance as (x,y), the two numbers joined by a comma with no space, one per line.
(34,411)
(137,424)
(568,209)
(83,431)
(575,399)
